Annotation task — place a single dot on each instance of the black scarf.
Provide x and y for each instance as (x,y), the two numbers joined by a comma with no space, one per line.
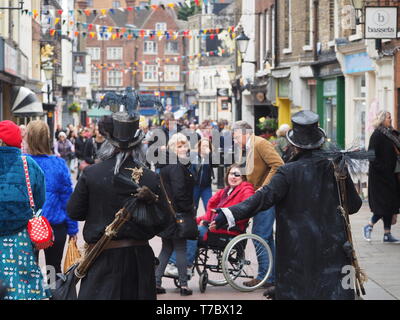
(392,134)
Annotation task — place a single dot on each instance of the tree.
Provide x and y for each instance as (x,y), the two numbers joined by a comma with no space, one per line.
(185,12)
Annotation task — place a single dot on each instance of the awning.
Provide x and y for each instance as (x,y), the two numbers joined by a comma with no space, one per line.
(281,73)
(25,103)
(306,72)
(98,113)
(180,113)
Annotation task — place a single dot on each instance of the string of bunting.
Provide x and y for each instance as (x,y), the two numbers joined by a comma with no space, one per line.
(113,33)
(132,66)
(35,13)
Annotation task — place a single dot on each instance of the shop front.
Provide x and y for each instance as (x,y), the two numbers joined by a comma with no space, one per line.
(358,69)
(331,101)
(283,87)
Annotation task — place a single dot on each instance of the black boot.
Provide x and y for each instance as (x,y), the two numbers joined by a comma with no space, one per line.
(186,292)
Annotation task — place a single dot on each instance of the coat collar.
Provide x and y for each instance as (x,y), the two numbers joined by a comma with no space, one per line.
(234,192)
(10,150)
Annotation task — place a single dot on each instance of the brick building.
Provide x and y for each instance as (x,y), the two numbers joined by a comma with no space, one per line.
(145,60)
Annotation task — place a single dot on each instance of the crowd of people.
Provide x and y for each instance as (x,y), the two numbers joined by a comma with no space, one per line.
(282,181)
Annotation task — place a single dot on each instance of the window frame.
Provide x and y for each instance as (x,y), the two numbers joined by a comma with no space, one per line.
(154,72)
(109,77)
(154,46)
(176,72)
(89,50)
(110,57)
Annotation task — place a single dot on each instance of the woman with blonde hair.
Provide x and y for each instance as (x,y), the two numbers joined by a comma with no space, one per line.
(383,185)
(179,183)
(58,190)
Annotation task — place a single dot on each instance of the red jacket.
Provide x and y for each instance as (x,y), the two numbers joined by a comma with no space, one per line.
(239,194)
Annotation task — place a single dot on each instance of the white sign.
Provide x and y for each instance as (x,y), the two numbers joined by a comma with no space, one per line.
(380,22)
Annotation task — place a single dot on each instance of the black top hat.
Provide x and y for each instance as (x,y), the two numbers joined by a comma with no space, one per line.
(305,133)
(121,130)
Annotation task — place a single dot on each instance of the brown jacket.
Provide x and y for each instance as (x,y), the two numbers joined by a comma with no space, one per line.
(262,161)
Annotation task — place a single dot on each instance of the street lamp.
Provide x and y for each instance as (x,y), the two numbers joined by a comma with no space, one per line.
(48,73)
(358,4)
(243,43)
(59,78)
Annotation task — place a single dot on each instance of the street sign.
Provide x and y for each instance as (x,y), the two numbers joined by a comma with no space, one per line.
(380,22)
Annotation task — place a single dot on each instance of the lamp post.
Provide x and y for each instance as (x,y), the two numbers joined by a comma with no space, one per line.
(243,43)
(358,6)
(48,73)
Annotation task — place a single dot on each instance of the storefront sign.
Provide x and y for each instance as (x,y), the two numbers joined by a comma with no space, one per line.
(358,62)
(380,22)
(330,88)
(330,70)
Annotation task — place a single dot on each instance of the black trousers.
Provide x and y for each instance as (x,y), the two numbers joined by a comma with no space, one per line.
(54,254)
(387,221)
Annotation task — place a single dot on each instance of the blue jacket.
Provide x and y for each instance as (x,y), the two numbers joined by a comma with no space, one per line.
(15,210)
(58,191)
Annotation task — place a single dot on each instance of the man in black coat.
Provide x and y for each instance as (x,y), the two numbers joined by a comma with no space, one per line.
(125,269)
(310,232)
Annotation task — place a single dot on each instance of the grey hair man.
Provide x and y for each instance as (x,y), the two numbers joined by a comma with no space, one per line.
(262,162)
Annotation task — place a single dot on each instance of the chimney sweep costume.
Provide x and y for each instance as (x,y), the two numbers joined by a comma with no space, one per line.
(125,269)
(310,230)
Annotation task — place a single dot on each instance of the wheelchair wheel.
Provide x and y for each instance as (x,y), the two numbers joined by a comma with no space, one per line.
(240,261)
(203,280)
(212,265)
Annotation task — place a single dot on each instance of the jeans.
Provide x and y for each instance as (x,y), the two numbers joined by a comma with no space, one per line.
(191,247)
(204,193)
(262,226)
(169,245)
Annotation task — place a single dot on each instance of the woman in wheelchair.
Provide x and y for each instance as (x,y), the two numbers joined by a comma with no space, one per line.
(237,190)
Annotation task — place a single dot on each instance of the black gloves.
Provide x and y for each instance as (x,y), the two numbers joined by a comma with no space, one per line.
(220,220)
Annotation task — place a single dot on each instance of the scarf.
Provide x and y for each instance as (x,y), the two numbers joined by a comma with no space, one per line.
(392,134)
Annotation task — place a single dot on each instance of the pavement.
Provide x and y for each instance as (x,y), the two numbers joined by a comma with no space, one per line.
(380,261)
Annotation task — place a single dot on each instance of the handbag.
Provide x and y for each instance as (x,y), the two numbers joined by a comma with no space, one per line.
(72,255)
(186,226)
(39,228)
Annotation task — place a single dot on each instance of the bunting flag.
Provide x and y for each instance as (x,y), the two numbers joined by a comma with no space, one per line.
(132,66)
(113,33)
(88,12)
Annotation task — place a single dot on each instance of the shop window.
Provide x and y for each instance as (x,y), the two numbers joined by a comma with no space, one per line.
(360,103)
(330,109)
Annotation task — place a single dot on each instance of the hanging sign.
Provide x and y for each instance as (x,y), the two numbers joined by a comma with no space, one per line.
(380,22)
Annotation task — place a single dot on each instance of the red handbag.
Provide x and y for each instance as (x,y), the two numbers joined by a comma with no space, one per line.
(39,228)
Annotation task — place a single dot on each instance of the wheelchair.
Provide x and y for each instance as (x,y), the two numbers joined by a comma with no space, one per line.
(225,259)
